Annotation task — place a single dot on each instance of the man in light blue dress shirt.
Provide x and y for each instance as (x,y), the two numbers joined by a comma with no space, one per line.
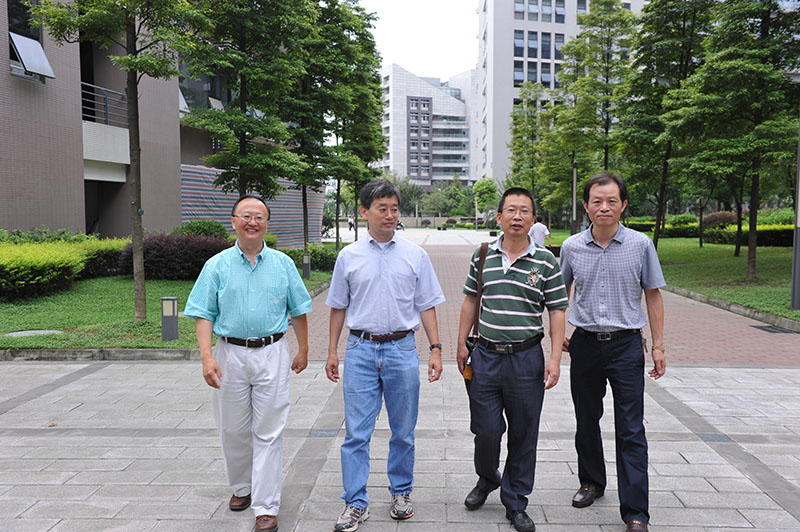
(382,288)
(245,296)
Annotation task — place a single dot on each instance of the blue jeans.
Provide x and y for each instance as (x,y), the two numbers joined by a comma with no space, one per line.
(371,371)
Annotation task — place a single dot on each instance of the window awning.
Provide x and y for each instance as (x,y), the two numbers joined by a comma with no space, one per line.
(31,55)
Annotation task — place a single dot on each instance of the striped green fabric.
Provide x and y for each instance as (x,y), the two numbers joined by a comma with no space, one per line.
(512,302)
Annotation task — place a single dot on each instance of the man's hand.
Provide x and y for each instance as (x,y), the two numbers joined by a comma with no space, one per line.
(211,372)
(462,353)
(552,371)
(332,366)
(659,364)
(300,361)
(435,365)
(565,345)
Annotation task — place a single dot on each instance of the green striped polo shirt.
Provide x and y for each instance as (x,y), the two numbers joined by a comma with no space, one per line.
(512,301)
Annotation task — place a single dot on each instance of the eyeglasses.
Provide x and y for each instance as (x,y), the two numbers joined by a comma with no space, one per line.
(247,218)
(511,211)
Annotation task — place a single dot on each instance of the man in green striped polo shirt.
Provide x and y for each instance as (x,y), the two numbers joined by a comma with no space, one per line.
(520,280)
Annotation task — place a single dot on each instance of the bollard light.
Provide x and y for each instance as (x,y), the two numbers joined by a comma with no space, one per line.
(306,265)
(169,319)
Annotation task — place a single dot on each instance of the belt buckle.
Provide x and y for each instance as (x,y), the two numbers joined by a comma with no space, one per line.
(603,336)
(503,348)
(247,341)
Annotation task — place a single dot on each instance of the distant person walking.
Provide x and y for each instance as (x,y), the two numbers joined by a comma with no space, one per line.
(383,287)
(610,265)
(245,296)
(350,223)
(539,232)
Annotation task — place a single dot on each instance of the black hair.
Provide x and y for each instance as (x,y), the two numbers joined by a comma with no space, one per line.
(380,188)
(604,178)
(539,218)
(514,191)
(251,196)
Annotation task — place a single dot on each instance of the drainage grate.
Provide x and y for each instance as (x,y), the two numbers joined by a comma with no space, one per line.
(771,329)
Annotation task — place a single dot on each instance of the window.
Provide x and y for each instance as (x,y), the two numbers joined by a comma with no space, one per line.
(532,71)
(547,10)
(425,144)
(533,44)
(425,105)
(414,131)
(414,170)
(414,117)
(425,158)
(412,104)
(426,170)
(519,76)
(519,9)
(559,44)
(581,6)
(413,144)
(426,118)
(413,156)
(556,72)
(626,5)
(519,43)
(533,9)
(545,46)
(546,74)
(560,11)
(425,132)
(27,54)
(386,117)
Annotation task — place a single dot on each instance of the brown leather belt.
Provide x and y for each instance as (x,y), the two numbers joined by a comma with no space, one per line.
(254,342)
(380,337)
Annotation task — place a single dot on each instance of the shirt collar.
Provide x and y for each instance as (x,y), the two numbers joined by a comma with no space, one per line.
(372,240)
(496,245)
(259,256)
(619,236)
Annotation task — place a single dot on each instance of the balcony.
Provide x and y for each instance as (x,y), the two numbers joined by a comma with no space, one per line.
(105,133)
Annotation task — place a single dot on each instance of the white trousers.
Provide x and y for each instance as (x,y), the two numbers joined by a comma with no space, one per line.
(251,408)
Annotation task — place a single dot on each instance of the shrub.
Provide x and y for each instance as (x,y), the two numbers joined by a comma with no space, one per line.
(645,227)
(766,235)
(328,221)
(41,234)
(681,219)
(681,231)
(426,222)
(28,270)
(322,259)
(719,219)
(174,256)
(101,256)
(210,228)
(451,221)
(271,240)
(783,216)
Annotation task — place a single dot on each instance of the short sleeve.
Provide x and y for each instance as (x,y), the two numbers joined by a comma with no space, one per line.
(203,301)
(428,293)
(339,291)
(299,301)
(471,283)
(652,277)
(566,269)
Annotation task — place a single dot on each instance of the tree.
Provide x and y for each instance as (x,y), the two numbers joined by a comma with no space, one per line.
(525,132)
(485,192)
(666,52)
(255,48)
(410,195)
(150,35)
(741,92)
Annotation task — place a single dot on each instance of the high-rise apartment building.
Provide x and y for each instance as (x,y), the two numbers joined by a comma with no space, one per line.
(427,124)
(518,41)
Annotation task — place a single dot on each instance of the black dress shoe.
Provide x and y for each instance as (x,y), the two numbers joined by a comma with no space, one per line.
(520,520)
(636,526)
(586,495)
(475,498)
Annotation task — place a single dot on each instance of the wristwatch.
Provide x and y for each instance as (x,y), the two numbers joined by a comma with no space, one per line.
(434,346)
(660,348)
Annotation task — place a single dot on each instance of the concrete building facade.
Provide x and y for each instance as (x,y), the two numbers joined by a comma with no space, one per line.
(518,40)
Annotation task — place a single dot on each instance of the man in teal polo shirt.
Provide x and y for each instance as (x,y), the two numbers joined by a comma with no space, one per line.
(245,296)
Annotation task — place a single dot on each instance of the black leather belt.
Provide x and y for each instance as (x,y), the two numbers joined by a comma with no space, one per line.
(606,336)
(254,342)
(510,347)
(380,337)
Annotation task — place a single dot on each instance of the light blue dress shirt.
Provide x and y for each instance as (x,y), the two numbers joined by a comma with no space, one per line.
(246,301)
(609,282)
(384,287)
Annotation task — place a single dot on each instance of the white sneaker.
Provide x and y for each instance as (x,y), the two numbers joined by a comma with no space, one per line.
(401,506)
(350,518)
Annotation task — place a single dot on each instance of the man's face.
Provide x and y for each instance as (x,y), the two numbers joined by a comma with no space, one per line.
(382,217)
(516,218)
(605,207)
(250,231)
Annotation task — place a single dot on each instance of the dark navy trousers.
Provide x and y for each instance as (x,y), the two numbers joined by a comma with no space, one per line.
(620,363)
(511,383)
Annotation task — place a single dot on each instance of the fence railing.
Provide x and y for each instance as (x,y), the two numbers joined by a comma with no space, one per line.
(106,106)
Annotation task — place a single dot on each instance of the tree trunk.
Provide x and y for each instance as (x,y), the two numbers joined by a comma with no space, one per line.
(662,193)
(752,233)
(355,210)
(135,179)
(242,135)
(737,249)
(338,201)
(305,217)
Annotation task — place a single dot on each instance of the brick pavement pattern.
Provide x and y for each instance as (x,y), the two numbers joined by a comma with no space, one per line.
(131,446)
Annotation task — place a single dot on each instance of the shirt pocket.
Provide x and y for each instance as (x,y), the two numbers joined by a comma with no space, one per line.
(404,287)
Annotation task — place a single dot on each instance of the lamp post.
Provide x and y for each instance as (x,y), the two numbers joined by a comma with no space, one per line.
(573,228)
(169,319)
(795,304)
(306,265)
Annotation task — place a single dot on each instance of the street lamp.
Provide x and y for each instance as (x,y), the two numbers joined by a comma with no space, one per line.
(169,319)
(795,77)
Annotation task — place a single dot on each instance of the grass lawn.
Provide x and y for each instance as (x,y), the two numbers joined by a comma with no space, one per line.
(98,313)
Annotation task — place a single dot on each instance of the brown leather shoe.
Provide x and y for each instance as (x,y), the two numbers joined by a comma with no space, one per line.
(266,523)
(586,495)
(636,526)
(238,504)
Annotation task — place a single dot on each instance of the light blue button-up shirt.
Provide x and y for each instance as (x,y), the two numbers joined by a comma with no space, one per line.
(608,282)
(384,287)
(246,301)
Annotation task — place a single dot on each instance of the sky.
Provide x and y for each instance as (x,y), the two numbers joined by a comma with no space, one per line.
(429,38)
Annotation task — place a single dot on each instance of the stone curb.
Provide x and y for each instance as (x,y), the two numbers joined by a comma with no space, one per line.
(772,319)
(92,355)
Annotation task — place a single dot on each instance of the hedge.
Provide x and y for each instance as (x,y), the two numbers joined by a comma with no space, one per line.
(101,257)
(779,235)
(210,228)
(174,257)
(28,270)
(645,227)
(322,259)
